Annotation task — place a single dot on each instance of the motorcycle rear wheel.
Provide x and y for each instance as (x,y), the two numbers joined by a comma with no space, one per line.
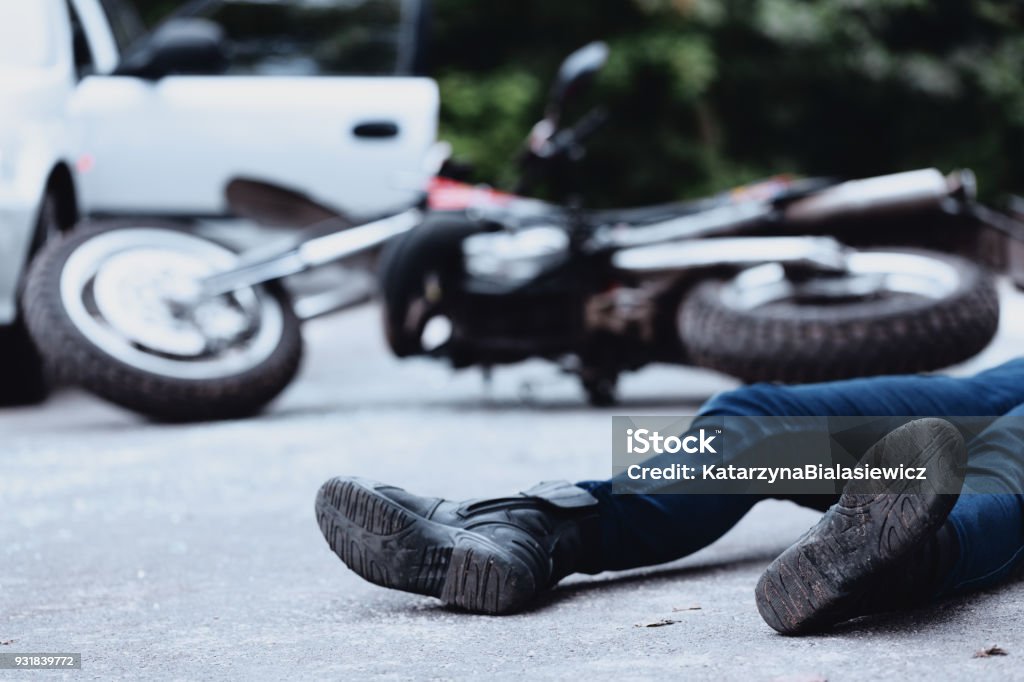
(923,311)
(99,305)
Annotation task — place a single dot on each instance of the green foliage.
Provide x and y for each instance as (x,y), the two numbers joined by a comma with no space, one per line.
(153,10)
(707,93)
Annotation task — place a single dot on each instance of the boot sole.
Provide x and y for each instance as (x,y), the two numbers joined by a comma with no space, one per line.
(394,547)
(818,581)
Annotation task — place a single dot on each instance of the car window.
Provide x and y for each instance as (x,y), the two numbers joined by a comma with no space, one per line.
(26,34)
(124,21)
(312,37)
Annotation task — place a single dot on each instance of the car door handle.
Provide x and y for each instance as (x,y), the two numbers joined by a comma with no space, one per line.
(376,130)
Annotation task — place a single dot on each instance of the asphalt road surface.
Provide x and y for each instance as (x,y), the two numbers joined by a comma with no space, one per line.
(191,552)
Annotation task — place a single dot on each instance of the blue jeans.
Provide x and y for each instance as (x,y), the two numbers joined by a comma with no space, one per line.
(641,530)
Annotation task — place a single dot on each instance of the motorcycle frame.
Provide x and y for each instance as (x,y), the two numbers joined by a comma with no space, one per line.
(814,252)
(675,245)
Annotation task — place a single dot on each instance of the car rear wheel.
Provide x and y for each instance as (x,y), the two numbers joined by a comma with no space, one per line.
(25,380)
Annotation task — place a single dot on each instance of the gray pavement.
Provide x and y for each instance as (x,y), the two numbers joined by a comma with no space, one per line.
(191,552)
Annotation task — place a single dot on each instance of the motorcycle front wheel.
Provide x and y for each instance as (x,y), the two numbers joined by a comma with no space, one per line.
(893,312)
(114,310)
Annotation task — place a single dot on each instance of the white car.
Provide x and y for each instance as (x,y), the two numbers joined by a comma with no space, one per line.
(100,118)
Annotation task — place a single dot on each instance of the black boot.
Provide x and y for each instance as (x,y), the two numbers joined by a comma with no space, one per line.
(880,548)
(487,556)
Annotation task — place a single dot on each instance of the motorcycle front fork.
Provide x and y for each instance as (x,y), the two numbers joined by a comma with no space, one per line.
(310,250)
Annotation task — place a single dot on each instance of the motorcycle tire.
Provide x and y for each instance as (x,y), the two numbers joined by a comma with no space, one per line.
(934,310)
(407,263)
(84,347)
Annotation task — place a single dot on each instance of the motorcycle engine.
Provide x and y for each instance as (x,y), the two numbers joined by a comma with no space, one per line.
(513,258)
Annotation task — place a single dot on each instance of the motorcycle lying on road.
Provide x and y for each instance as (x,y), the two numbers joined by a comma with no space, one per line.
(751,283)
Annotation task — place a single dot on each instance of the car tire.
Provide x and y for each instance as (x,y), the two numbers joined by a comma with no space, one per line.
(25,379)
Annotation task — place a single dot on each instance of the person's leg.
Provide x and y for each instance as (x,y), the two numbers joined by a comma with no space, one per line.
(487,556)
(990,393)
(988,519)
(496,555)
(645,529)
(880,547)
(977,543)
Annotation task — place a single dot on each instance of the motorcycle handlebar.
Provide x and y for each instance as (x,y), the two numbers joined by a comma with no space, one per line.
(550,143)
(591,122)
(547,144)
(887,194)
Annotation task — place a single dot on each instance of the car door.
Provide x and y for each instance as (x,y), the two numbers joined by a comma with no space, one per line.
(170,146)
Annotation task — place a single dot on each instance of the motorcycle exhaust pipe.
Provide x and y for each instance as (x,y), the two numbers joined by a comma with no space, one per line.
(918,190)
(820,253)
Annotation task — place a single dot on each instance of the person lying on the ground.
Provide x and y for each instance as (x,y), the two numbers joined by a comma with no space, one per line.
(871,551)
